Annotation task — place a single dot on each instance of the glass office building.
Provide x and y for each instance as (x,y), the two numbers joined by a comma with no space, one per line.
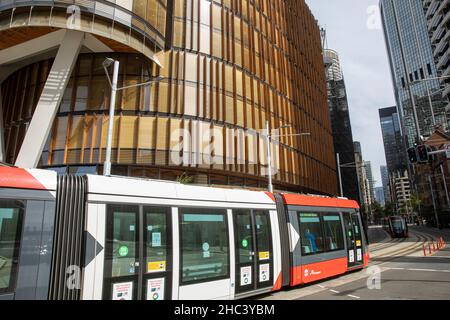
(225,67)
(412,63)
(340,123)
(437,13)
(394,146)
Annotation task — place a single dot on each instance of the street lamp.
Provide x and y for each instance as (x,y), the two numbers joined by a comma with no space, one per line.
(345,165)
(268,137)
(106,64)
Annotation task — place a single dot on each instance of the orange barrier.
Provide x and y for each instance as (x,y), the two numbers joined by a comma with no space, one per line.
(433,246)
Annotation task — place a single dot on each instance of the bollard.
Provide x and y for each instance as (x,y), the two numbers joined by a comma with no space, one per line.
(424,249)
(434,247)
(429,247)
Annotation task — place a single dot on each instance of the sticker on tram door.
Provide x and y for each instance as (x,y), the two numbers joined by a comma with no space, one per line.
(264,272)
(359,255)
(246,276)
(155,289)
(264,255)
(156,266)
(123,291)
(351,256)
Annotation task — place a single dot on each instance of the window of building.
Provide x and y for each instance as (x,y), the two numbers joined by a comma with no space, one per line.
(204,245)
(311,235)
(430,72)
(11,215)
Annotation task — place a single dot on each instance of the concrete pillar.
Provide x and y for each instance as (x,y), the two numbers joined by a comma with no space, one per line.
(50,99)
(2,131)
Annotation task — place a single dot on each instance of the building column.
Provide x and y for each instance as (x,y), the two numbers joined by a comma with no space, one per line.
(47,107)
(2,131)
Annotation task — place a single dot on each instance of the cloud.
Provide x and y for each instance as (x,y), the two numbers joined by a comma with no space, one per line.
(354,31)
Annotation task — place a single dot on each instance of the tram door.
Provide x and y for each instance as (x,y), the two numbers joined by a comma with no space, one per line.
(137,253)
(353,235)
(254,253)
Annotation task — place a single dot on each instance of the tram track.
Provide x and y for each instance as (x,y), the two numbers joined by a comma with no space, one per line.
(396,253)
(385,245)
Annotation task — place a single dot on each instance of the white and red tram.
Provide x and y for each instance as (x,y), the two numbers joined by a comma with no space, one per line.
(95,237)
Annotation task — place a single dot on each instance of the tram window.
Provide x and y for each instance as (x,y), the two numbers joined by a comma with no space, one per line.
(124,240)
(334,239)
(244,235)
(11,216)
(204,245)
(156,239)
(263,234)
(311,233)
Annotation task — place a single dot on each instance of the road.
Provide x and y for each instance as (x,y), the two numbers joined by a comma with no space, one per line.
(400,265)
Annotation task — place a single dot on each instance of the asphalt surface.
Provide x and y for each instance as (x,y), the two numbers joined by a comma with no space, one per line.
(398,271)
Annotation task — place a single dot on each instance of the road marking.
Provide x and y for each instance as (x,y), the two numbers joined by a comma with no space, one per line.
(334,291)
(352,296)
(413,269)
(321,286)
(426,270)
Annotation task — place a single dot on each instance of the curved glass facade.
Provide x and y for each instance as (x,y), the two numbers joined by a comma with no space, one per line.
(231,66)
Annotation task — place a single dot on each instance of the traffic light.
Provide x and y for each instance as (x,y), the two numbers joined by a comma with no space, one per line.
(422,154)
(412,155)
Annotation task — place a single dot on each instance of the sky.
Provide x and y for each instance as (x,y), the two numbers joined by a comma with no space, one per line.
(354,30)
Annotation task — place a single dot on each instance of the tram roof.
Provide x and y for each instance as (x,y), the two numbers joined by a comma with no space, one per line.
(33,179)
(126,186)
(316,201)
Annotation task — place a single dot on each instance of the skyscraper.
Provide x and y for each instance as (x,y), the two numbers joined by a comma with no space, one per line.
(394,147)
(386,183)
(437,14)
(340,123)
(379,195)
(370,180)
(364,189)
(412,64)
(222,69)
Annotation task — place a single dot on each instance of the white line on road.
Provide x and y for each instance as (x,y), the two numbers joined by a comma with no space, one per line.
(352,296)
(334,291)
(321,286)
(426,270)
(412,269)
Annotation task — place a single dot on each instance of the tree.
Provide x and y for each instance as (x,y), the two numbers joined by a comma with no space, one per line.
(389,209)
(416,202)
(185,179)
(377,211)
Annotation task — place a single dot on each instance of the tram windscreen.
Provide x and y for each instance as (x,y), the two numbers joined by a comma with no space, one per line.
(398,224)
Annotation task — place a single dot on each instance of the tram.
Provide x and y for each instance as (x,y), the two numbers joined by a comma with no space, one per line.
(94,237)
(396,226)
